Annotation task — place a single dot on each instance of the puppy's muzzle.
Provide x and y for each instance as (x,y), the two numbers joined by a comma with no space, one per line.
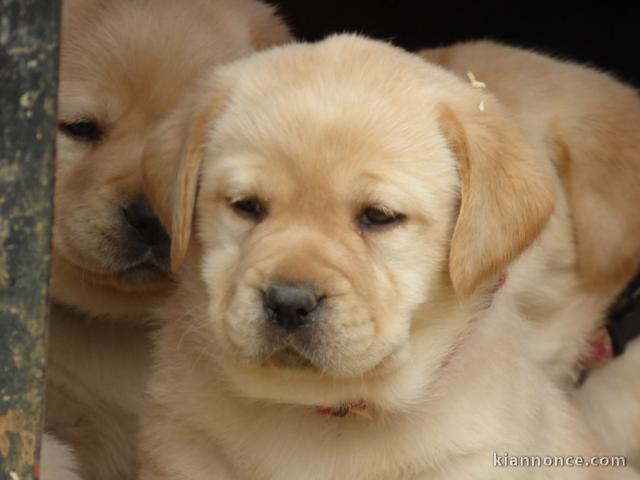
(148,241)
(292,306)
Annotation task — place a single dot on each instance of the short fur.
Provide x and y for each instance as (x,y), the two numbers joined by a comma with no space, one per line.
(318,133)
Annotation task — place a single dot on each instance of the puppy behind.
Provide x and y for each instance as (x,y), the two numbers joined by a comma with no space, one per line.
(588,122)
(591,129)
(124,65)
(335,316)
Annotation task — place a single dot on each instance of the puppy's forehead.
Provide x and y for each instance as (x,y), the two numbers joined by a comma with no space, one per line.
(345,84)
(322,119)
(139,56)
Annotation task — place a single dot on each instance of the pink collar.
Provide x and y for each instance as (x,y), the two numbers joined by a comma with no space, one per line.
(502,279)
(601,349)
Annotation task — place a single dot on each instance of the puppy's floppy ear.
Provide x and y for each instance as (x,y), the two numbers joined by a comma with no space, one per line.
(506,198)
(186,180)
(599,164)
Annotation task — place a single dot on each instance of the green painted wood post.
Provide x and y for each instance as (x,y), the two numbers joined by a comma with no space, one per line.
(29,33)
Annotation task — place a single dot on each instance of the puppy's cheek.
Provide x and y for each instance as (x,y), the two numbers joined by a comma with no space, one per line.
(246,333)
(67,156)
(75,238)
(344,338)
(414,277)
(88,227)
(219,272)
(369,317)
(69,153)
(89,235)
(229,305)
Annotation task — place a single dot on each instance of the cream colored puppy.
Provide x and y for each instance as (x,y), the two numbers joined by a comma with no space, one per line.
(124,65)
(589,121)
(588,124)
(339,313)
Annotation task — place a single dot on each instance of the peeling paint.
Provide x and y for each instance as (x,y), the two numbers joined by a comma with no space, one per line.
(11,422)
(49,106)
(9,172)
(16,51)
(27,99)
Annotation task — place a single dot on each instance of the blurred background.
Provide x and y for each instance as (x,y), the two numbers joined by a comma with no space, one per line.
(600,33)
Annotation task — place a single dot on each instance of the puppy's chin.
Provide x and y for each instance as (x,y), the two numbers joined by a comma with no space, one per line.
(137,277)
(393,385)
(115,268)
(106,295)
(289,359)
(141,275)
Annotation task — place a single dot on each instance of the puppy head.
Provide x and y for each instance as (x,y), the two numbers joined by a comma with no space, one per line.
(352,200)
(124,66)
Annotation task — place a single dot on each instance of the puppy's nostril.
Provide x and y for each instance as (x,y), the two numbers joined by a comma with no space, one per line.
(144,225)
(290,306)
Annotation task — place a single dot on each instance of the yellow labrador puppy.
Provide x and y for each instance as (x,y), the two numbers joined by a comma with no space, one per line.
(588,122)
(339,312)
(124,65)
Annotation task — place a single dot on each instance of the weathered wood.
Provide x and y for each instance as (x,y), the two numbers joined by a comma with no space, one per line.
(29,31)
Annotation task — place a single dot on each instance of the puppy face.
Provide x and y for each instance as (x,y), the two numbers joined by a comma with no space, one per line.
(340,207)
(124,66)
(314,261)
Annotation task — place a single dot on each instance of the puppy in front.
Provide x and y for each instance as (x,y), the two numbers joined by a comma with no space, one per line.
(339,313)
(125,64)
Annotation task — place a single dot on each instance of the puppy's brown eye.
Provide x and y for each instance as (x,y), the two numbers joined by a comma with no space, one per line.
(83,131)
(373,217)
(250,207)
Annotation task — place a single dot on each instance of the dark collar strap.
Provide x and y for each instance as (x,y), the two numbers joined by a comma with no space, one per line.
(623,321)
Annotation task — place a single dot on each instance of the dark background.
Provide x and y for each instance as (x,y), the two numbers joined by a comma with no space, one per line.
(602,34)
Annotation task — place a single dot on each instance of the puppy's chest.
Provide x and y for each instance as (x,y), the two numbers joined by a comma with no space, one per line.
(327,449)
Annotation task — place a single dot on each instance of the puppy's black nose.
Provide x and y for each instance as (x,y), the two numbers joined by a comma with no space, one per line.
(144,225)
(290,306)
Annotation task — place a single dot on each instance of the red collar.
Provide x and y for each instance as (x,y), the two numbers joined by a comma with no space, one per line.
(357,408)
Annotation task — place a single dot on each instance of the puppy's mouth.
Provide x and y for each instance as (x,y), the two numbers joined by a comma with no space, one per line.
(289,350)
(148,267)
(128,250)
(145,270)
(289,358)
